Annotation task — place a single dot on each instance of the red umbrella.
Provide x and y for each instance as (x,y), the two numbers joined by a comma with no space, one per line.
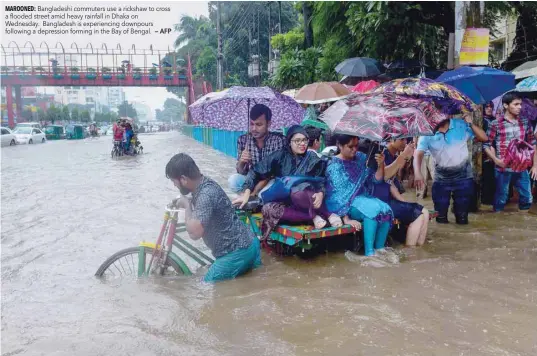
(365,86)
(380,117)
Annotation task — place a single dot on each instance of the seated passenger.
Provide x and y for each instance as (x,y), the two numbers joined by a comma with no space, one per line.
(349,189)
(118,131)
(255,145)
(128,136)
(305,202)
(413,215)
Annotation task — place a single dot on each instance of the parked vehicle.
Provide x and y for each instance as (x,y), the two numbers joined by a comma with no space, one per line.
(55,132)
(8,138)
(29,135)
(35,125)
(75,132)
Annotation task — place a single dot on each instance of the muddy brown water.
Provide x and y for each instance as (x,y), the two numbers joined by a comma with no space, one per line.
(66,207)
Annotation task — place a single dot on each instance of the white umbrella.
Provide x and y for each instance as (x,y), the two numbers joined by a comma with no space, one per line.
(525,70)
(210,96)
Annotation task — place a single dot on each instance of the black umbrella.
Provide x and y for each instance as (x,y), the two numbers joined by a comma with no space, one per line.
(360,67)
(406,64)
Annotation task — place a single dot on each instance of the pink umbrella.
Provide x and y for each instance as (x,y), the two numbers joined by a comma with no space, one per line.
(365,86)
(380,117)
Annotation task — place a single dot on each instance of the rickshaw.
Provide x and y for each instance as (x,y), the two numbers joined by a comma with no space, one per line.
(74,132)
(161,259)
(55,132)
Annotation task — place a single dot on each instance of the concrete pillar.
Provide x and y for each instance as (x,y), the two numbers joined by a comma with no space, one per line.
(9,104)
(18,101)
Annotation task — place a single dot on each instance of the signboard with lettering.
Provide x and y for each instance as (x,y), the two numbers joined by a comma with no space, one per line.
(475,47)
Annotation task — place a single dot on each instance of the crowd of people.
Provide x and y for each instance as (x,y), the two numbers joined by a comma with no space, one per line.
(296,184)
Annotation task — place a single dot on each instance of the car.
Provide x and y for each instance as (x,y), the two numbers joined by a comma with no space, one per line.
(35,125)
(29,135)
(8,139)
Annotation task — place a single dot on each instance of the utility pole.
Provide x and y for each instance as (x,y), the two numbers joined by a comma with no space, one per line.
(280,17)
(219,74)
(269,30)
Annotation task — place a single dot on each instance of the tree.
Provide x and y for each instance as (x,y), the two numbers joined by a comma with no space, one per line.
(307,12)
(126,109)
(75,114)
(66,116)
(85,116)
(197,37)
(173,111)
(525,41)
(27,114)
(53,114)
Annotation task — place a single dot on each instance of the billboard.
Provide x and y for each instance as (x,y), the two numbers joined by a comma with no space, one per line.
(475,47)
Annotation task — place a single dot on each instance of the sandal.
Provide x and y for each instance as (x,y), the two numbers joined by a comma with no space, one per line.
(335,221)
(319,222)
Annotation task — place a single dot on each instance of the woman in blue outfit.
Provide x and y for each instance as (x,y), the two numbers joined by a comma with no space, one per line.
(349,189)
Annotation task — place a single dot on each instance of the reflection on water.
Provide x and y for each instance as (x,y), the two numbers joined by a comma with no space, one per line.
(66,206)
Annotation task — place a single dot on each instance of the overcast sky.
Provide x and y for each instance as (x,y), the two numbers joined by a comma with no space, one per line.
(154,97)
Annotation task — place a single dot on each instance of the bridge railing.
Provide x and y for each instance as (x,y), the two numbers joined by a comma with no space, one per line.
(61,70)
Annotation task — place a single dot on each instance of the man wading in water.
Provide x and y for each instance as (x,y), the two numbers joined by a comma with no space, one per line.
(211,216)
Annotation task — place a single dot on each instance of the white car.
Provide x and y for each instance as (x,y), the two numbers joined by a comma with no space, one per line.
(35,125)
(8,139)
(29,135)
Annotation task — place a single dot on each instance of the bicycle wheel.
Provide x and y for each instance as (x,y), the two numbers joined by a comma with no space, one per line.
(126,263)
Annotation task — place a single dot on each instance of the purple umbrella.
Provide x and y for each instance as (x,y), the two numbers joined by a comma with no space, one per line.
(230,111)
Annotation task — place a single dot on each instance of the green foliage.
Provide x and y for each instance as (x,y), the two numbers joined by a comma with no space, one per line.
(126,109)
(53,113)
(75,114)
(333,53)
(293,39)
(85,116)
(108,117)
(173,111)
(206,65)
(197,37)
(66,116)
(297,68)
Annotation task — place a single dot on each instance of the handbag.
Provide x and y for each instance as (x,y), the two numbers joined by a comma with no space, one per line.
(519,155)
(280,190)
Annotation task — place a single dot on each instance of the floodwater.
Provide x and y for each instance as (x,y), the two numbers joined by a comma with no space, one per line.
(67,206)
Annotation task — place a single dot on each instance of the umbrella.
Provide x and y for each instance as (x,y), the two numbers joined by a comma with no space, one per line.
(405,64)
(380,117)
(444,95)
(290,92)
(481,84)
(527,85)
(364,87)
(311,119)
(209,96)
(360,67)
(322,92)
(525,70)
(231,110)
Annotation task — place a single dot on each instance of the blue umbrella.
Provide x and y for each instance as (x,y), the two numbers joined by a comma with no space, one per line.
(481,84)
(528,85)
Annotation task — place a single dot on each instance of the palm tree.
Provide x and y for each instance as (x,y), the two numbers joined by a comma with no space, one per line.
(188,28)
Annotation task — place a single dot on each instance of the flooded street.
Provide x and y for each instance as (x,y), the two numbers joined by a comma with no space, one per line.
(67,206)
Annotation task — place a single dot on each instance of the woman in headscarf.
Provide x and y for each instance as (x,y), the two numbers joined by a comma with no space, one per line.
(349,192)
(306,201)
(488,180)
